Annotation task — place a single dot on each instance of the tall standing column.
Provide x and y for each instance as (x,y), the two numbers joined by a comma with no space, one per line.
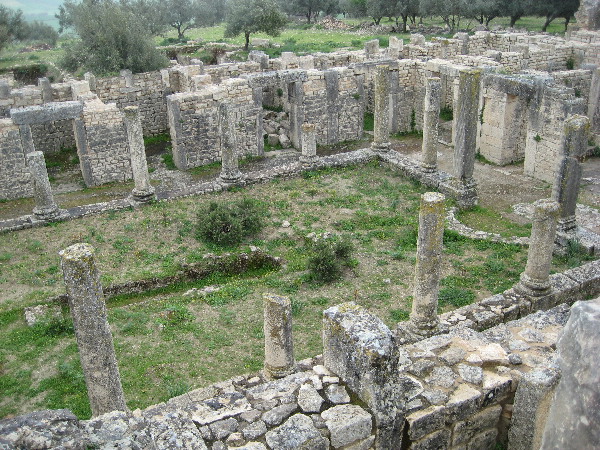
(431,121)
(381,130)
(143,191)
(45,207)
(279,346)
(94,339)
(424,316)
(535,281)
(230,172)
(465,145)
(309,144)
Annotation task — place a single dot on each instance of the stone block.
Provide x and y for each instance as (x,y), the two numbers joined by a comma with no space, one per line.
(426,421)
(347,424)
(297,433)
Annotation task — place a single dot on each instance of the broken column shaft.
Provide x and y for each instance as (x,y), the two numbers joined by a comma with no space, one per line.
(45,207)
(568,176)
(431,120)
(94,338)
(230,172)
(279,346)
(309,144)
(143,191)
(535,281)
(429,263)
(381,129)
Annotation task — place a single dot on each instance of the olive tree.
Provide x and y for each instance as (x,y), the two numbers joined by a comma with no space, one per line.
(11,23)
(253,16)
(111,38)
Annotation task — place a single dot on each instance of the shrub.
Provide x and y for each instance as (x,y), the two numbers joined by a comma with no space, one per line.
(227,224)
(328,257)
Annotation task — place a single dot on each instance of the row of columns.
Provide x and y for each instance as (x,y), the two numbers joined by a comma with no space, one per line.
(46,208)
(549,216)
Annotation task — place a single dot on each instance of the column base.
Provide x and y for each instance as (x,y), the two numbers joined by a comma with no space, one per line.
(230,177)
(410,332)
(532,288)
(428,168)
(271,372)
(142,196)
(381,146)
(566,225)
(48,214)
(308,160)
(463,191)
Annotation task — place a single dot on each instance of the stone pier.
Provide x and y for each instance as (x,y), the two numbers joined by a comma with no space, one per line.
(381,130)
(279,346)
(465,145)
(423,316)
(143,191)
(309,144)
(535,281)
(26,138)
(431,120)
(92,331)
(45,207)
(230,172)
(575,411)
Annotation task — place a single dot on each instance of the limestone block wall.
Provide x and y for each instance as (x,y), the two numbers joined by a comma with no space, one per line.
(102,144)
(194,123)
(147,91)
(222,72)
(591,41)
(15,179)
(580,80)
(547,113)
(332,101)
(504,105)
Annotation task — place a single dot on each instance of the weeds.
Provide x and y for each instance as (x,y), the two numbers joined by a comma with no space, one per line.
(328,257)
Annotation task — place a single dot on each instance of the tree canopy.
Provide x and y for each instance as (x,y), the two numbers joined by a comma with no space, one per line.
(111,38)
(253,16)
(11,22)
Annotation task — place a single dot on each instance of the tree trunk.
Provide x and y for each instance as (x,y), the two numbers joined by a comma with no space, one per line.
(247,36)
(377,20)
(567,20)
(488,20)
(513,20)
(179,32)
(404,20)
(309,15)
(549,18)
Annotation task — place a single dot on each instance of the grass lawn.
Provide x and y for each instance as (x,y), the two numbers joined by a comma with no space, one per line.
(168,343)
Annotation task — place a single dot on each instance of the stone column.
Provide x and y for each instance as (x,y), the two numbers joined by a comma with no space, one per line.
(26,139)
(565,192)
(309,144)
(575,412)
(576,135)
(45,207)
(431,120)
(128,77)
(429,264)
(535,281)
(465,145)
(279,346)
(143,191)
(381,131)
(94,339)
(46,87)
(91,79)
(230,172)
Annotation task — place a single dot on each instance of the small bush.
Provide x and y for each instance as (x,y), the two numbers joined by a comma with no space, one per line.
(227,224)
(328,259)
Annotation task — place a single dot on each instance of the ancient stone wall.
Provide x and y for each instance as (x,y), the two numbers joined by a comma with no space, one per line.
(102,144)
(15,179)
(194,123)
